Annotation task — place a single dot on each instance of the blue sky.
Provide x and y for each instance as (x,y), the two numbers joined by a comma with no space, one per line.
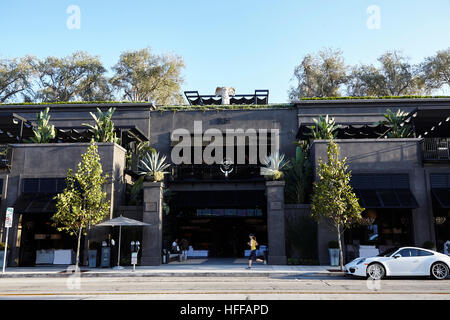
(246,44)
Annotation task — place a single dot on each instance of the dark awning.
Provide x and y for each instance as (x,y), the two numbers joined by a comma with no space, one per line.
(440,187)
(35,203)
(442,196)
(218,199)
(347,131)
(383,191)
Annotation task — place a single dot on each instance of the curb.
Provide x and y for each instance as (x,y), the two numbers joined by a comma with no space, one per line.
(171,274)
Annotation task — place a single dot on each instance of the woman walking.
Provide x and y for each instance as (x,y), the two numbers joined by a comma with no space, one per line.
(252,256)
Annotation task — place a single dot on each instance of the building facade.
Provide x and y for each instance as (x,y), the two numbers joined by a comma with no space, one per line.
(403,184)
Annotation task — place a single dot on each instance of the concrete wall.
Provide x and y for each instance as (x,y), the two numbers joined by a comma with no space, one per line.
(164,123)
(383,156)
(53,161)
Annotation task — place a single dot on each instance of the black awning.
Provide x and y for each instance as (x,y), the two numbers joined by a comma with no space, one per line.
(347,131)
(35,203)
(218,199)
(442,196)
(386,198)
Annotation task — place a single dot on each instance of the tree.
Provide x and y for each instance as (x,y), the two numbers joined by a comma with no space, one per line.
(16,76)
(44,132)
(395,77)
(333,198)
(83,202)
(75,77)
(436,69)
(319,75)
(143,76)
(396,124)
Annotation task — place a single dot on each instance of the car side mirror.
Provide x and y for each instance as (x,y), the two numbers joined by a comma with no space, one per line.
(397,256)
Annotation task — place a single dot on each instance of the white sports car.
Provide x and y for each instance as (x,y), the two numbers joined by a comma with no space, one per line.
(406,261)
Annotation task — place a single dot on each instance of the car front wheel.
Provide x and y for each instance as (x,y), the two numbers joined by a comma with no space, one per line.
(375,271)
(439,271)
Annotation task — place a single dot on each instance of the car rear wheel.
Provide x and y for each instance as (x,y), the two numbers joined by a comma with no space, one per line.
(439,271)
(375,271)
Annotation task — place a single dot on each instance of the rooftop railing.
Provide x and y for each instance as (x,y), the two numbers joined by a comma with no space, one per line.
(436,149)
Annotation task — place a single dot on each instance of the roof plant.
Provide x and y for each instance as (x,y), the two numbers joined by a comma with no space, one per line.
(274,165)
(396,124)
(152,166)
(104,126)
(324,128)
(44,132)
(333,200)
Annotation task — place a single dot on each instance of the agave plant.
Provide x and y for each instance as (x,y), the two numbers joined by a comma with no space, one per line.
(396,124)
(274,166)
(324,128)
(153,166)
(104,126)
(44,132)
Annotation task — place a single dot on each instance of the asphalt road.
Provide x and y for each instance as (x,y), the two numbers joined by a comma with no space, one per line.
(236,288)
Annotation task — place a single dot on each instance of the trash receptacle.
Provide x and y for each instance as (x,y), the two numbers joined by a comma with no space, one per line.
(92,258)
(106,257)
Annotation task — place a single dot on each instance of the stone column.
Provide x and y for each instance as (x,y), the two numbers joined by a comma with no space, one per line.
(152,235)
(275,222)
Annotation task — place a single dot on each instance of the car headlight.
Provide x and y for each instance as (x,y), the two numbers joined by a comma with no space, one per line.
(361,261)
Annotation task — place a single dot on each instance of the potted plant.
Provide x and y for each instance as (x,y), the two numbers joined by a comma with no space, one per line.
(429,245)
(333,250)
(274,166)
(152,167)
(2,254)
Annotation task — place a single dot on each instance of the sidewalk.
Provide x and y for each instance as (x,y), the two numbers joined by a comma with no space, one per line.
(194,268)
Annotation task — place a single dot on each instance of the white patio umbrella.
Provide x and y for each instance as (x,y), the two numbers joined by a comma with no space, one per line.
(121,222)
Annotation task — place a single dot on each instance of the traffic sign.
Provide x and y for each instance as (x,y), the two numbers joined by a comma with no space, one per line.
(9,217)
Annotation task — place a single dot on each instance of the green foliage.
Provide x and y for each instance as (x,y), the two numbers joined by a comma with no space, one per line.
(79,76)
(274,166)
(44,133)
(2,246)
(324,128)
(152,166)
(143,76)
(136,190)
(333,199)
(83,203)
(299,177)
(16,76)
(319,75)
(396,123)
(436,69)
(104,126)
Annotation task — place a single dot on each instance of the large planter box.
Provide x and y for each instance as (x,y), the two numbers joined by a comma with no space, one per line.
(334,256)
(2,256)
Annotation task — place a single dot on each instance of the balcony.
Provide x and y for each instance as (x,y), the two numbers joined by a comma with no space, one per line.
(436,149)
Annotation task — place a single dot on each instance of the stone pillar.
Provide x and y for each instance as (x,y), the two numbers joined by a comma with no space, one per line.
(152,235)
(275,222)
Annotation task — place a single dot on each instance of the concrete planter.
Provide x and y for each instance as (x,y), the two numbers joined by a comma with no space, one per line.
(92,254)
(334,256)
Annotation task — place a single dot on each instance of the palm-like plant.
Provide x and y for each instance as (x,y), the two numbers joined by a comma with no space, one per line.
(324,128)
(396,124)
(299,176)
(274,166)
(104,126)
(153,166)
(44,132)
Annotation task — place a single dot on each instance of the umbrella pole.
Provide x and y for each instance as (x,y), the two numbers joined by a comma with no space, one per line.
(120,238)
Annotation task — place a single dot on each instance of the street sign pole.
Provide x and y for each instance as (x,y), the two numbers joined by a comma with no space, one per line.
(8,224)
(6,250)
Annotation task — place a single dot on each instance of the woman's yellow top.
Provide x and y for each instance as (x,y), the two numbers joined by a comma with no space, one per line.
(253,244)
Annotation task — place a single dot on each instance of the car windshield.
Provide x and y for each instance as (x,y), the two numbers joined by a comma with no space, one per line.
(388,252)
